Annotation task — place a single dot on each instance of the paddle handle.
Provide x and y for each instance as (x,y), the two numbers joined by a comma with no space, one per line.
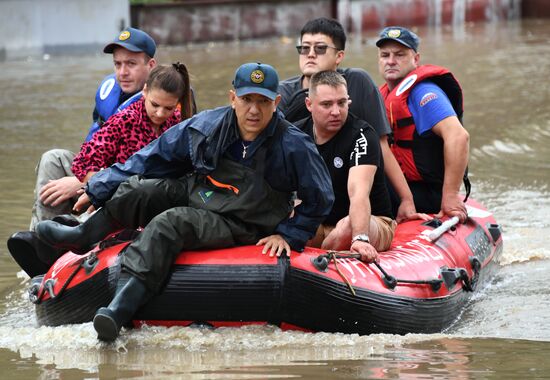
(444,227)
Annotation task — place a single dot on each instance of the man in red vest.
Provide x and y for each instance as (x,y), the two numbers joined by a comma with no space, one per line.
(424,108)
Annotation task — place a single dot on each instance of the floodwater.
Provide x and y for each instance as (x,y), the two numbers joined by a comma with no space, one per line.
(503,333)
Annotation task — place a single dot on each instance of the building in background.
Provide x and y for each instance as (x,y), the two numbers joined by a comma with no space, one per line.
(43,27)
(182,21)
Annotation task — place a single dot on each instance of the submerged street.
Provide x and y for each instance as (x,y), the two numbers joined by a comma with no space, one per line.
(502,67)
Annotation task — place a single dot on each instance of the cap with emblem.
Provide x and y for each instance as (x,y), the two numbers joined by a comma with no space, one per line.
(256,78)
(134,40)
(402,35)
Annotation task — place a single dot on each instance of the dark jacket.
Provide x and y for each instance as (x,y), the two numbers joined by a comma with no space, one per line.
(195,145)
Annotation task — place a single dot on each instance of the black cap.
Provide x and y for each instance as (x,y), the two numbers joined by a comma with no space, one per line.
(402,35)
(134,40)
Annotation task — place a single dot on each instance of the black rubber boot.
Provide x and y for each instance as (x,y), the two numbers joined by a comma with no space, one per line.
(81,238)
(33,255)
(130,295)
(66,219)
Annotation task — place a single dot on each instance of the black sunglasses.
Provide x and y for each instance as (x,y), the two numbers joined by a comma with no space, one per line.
(319,49)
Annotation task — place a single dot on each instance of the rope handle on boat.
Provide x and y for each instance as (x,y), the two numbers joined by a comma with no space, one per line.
(49,284)
(333,256)
(391,282)
(321,262)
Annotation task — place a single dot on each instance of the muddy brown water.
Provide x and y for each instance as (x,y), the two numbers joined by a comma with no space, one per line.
(503,333)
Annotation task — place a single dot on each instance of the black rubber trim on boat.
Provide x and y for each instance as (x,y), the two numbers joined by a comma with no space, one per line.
(322,304)
(320,263)
(434,223)
(451,276)
(283,264)
(495,231)
(391,282)
(78,304)
(233,293)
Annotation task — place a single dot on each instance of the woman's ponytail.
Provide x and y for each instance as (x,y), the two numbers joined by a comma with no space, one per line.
(186,100)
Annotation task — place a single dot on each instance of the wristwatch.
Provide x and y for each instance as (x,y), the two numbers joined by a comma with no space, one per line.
(360,237)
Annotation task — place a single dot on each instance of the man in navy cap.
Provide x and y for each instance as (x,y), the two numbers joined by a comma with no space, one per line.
(133,57)
(225,177)
(424,107)
(56,187)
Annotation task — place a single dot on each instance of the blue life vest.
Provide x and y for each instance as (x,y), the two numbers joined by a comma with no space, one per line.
(107,104)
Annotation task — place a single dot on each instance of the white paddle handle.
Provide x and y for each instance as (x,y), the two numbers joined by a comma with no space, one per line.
(444,227)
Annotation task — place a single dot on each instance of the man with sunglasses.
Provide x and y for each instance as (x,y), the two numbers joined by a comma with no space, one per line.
(321,47)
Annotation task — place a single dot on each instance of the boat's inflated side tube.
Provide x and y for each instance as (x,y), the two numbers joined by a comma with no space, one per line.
(323,304)
(230,293)
(79,303)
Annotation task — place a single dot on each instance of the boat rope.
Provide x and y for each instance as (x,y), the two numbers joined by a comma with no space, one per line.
(391,282)
(321,262)
(49,284)
(87,262)
(333,256)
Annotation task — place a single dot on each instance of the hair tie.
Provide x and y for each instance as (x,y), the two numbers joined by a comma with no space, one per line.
(180,67)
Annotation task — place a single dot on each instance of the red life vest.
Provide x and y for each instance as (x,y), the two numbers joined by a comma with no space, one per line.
(420,158)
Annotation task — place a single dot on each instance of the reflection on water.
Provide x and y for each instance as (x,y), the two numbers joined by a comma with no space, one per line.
(47,103)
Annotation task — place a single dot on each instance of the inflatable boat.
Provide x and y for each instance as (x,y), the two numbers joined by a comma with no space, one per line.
(421,285)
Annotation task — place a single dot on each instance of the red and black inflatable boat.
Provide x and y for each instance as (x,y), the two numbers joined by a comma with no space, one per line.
(420,285)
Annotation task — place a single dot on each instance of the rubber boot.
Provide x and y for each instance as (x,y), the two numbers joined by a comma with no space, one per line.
(33,255)
(129,297)
(66,219)
(81,238)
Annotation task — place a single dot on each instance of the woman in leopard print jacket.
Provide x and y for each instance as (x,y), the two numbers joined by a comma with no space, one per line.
(128,131)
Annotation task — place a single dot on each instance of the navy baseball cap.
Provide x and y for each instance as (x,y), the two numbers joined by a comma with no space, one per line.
(402,35)
(256,78)
(134,40)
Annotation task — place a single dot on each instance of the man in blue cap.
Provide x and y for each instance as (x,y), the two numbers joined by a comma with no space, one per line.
(56,188)
(133,57)
(225,177)
(424,107)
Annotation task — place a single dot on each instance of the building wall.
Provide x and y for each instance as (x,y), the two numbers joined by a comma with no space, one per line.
(535,8)
(199,21)
(364,15)
(36,27)
(211,20)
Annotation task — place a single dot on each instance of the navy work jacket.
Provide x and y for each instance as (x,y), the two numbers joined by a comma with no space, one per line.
(195,146)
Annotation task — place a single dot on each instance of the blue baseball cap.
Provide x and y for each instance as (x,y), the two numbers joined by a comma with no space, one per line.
(402,35)
(134,40)
(256,78)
